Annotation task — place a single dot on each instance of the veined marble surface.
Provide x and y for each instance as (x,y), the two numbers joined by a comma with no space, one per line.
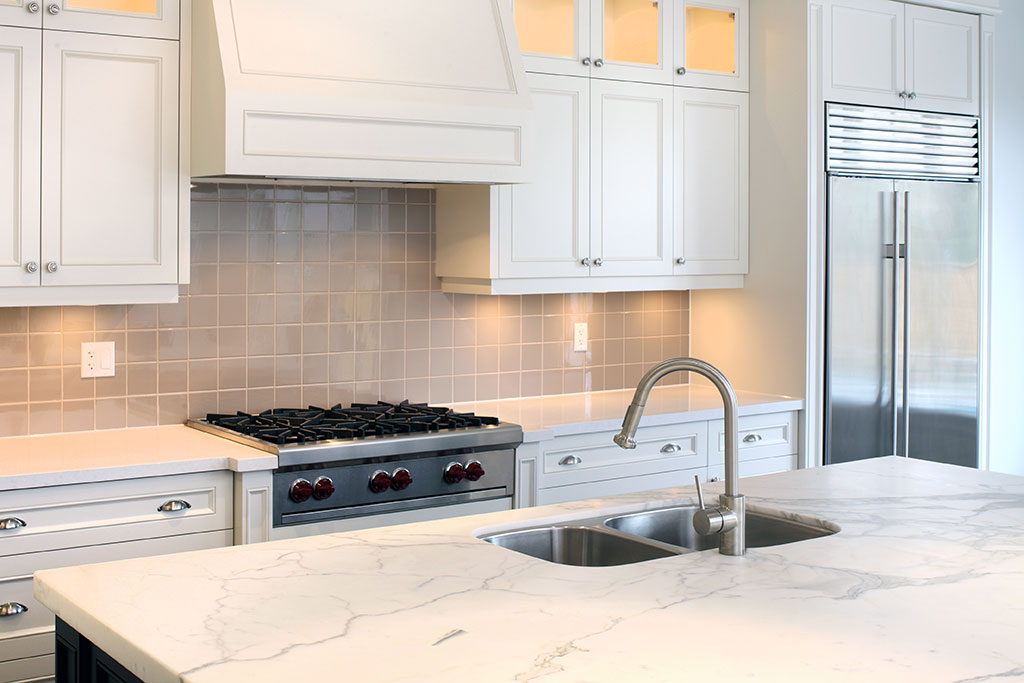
(77,457)
(925,582)
(545,417)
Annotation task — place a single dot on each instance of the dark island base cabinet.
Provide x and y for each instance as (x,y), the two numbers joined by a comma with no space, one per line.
(79,661)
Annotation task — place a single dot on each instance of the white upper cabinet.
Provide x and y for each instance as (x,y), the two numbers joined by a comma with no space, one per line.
(942,60)
(110,130)
(711,182)
(145,18)
(554,35)
(711,41)
(631,197)
(20,69)
(893,54)
(28,13)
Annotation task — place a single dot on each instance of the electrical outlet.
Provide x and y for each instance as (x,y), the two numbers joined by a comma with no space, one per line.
(97,359)
(579,337)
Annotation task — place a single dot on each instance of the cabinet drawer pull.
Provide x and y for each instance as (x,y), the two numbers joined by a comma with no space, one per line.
(752,438)
(12,523)
(11,609)
(671,448)
(174,506)
(570,460)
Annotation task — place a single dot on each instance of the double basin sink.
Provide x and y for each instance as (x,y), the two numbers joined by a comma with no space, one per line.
(625,539)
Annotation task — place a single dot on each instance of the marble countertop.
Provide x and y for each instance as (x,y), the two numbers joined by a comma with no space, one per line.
(924,582)
(72,458)
(546,417)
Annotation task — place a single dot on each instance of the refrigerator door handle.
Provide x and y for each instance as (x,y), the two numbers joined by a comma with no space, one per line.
(895,320)
(906,324)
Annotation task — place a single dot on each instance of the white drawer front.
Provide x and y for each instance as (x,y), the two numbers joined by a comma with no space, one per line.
(753,468)
(38,644)
(17,584)
(29,670)
(761,436)
(105,512)
(565,494)
(593,457)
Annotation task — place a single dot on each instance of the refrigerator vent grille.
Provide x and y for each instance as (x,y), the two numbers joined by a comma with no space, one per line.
(899,143)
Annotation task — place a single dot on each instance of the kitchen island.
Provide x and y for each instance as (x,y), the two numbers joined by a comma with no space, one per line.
(924,582)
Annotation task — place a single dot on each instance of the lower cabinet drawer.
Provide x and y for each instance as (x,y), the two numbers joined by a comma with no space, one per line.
(27,670)
(761,436)
(16,584)
(36,644)
(565,494)
(105,512)
(752,468)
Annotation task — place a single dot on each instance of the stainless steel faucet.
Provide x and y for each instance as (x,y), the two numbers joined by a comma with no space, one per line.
(729,518)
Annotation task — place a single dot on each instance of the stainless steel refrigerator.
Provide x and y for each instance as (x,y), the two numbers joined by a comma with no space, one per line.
(903,239)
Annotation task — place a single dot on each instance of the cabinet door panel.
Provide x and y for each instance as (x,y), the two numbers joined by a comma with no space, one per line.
(110,159)
(864,52)
(554,35)
(20,82)
(631,200)
(942,60)
(631,40)
(545,225)
(21,13)
(711,180)
(144,18)
(711,39)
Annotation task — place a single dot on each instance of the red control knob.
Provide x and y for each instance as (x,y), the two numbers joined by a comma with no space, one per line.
(474,470)
(400,479)
(380,481)
(323,488)
(300,491)
(454,472)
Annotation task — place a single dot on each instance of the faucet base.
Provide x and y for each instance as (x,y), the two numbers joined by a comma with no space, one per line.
(734,540)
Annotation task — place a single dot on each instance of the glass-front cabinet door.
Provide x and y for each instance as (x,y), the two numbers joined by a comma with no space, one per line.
(144,18)
(631,40)
(554,35)
(710,40)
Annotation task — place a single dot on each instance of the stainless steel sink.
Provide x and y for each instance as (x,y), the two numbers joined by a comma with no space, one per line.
(581,546)
(675,526)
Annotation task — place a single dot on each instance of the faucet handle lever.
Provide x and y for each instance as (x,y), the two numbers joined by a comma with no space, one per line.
(700,493)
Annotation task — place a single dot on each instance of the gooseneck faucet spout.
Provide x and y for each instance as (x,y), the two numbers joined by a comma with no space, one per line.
(729,519)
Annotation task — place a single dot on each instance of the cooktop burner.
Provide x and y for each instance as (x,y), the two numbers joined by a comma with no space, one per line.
(359,421)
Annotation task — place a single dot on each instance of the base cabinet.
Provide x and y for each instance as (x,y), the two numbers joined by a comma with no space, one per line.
(79,661)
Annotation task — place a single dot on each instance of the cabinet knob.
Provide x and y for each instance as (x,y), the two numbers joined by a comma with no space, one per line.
(586,61)
(912,96)
(174,506)
(53,8)
(752,438)
(585,262)
(598,62)
(903,94)
(599,262)
(680,261)
(31,266)
(10,609)
(681,71)
(32,7)
(51,267)
(12,523)
(571,460)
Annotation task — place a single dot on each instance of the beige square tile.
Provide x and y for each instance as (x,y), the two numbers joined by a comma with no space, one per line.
(652,323)
(71,346)
(633,301)
(74,387)
(551,382)
(341,394)
(231,310)
(142,378)
(417,305)
(367,306)
(464,332)
(290,397)
(392,365)
(486,387)
(594,379)
(392,217)
(614,302)
(367,392)
(44,319)
(202,376)
(392,278)
(13,320)
(441,360)
(315,395)
(417,363)
(441,389)
(13,350)
(78,319)
(418,390)
(142,316)
(442,305)
(45,349)
(202,342)
(260,309)
(44,418)
(172,377)
(417,276)
(231,373)
(488,331)
(260,371)
(464,388)
(116,386)
(442,333)
(393,390)
(631,373)
(652,351)
(172,344)
(418,218)
(142,411)
(13,386)
(464,360)
(342,247)
(368,277)
(204,402)
(367,366)
(175,315)
(511,330)
(261,278)
(613,377)
(141,346)
(554,304)
(289,308)
(532,329)
(487,359)
(393,248)
(231,342)
(508,385)
(633,351)
(367,216)
(573,381)
(392,336)
(343,307)
(79,416)
(44,384)
(417,334)
(554,328)
(342,337)
(532,356)
(260,340)
(553,355)
(341,367)
(14,419)
(315,338)
(368,247)
(173,409)
(316,277)
(633,325)
(315,369)
(235,400)
(510,358)
(287,371)
(316,308)
(120,340)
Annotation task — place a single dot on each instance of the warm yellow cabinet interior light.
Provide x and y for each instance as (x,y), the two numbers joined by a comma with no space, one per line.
(710,40)
(546,26)
(631,31)
(125,6)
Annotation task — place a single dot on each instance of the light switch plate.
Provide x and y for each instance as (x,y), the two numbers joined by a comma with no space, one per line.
(98,359)
(579,337)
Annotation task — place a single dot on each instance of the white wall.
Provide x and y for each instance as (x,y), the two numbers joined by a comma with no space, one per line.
(1007,360)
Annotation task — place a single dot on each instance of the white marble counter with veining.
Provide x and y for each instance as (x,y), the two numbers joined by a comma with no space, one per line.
(78,457)
(545,417)
(925,582)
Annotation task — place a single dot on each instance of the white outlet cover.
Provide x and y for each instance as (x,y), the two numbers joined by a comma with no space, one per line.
(97,359)
(579,338)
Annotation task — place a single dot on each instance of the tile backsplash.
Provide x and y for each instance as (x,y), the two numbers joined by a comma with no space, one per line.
(313,296)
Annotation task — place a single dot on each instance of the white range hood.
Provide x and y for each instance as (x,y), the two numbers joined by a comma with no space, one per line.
(392,90)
